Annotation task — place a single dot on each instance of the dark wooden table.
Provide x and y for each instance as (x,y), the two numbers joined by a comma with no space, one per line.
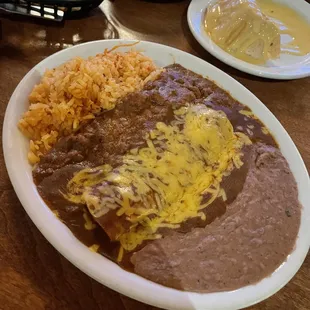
(32,274)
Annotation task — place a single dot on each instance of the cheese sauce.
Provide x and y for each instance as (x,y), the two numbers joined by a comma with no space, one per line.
(294,29)
(256,31)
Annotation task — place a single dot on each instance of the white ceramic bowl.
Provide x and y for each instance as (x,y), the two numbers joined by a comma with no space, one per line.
(286,67)
(103,270)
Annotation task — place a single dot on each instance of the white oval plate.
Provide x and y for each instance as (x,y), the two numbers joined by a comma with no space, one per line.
(286,67)
(15,147)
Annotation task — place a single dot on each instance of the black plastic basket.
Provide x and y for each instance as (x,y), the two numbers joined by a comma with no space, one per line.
(56,10)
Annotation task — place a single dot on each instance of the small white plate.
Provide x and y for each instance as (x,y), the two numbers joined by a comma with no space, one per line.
(15,148)
(285,68)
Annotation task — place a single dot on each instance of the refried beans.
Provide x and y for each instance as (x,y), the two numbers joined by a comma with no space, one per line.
(243,246)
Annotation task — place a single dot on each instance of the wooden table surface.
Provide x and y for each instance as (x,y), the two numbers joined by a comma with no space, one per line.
(32,273)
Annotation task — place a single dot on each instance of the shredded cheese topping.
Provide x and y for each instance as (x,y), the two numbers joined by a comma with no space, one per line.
(89,224)
(94,247)
(170,180)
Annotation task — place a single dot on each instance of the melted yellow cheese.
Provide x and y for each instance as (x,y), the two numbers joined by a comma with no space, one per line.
(56,213)
(163,184)
(89,225)
(94,247)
